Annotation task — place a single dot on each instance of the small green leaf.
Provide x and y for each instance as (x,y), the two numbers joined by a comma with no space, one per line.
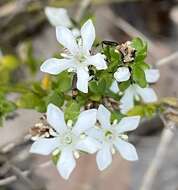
(72,110)
(64,82)
(55,158)
(55,98)
(124,85)
(9,62)
(116,115)
(95,97)
(138,76)
(141,49)
(31,101)
(137,110)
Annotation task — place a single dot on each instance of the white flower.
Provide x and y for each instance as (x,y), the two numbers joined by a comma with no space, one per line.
(152,75)
(68,140)
(122,74)
(111,137)
(114,87)
(79,58)
(58,17)
(133,92)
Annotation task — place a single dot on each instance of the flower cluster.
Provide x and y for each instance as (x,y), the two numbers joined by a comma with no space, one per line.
(92,132)
(106,82)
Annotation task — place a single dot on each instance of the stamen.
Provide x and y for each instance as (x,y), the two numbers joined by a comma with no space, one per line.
(76,154)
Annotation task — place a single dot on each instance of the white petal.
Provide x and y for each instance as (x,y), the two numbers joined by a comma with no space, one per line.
(128,124)
(86,120)
(55,118)
(44,146)
(82,80)
(152,75)
(88,145)
(104,115)
(98,61)
(148,95)
(76,32)
(126,150)
(104,157)
(58,16)
(114,87)
(122,74)
(66,38)
(66,163)
(88,35)
(96,133)
(127,101)
(55,66)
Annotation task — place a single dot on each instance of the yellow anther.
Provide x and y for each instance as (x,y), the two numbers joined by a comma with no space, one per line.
(124,137)
(76,154)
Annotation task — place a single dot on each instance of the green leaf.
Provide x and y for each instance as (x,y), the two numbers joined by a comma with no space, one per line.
(9,62)
(98,87)
(55,158)
(37,89)
(113,57)
(137,110)
(141,49)
(29,58)
(31,101)
(144,110)
(116,115)
(6,107)
(72,110)
(64,82)
(138,44)
(95,97)
(124,85)
(138,76)
(143,65)
(55,98)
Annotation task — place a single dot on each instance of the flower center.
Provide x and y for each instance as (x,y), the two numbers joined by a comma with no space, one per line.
(67,139)
(109,135)
(80,58)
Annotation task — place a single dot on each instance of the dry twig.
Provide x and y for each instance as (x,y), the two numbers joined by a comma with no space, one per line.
(155,166)
(167,59)
(23,174)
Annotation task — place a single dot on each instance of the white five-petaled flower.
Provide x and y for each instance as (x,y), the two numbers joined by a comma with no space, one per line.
(134,91)
(111,137)
(78,57)
(68,140)
(60,17)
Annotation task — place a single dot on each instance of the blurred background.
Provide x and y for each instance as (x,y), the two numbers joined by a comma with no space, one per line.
(25,33)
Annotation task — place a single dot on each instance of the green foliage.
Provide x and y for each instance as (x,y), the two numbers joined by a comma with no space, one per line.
(6,107)
(55,157)
(141,49)
(31,100)
(124,85)
(72,110)
(59,89)
(28,58)
(138,76)
(113,58)
(54,97)
(64,82)
(116,115)
(144,110)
